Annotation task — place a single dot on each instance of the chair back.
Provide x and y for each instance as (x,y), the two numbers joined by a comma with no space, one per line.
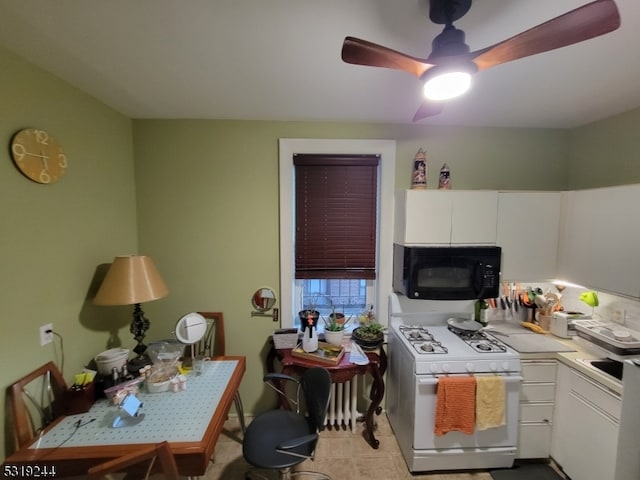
(33,402)
(213,341)
(316,385)
(145,459)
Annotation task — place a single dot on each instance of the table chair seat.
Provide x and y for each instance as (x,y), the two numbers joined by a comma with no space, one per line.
(268,432)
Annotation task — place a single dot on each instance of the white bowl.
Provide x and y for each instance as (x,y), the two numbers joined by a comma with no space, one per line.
(157,387)
(622,335)
(112,353)
(110,359)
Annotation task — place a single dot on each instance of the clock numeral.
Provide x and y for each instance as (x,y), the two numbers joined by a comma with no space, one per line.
(62,160)
(45,177)
(19,151)
(42,137)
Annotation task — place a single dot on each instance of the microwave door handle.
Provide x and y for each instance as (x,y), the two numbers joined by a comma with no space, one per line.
(478,282)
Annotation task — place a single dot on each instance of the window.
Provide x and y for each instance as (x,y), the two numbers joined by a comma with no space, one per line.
(335,230)
(376,290)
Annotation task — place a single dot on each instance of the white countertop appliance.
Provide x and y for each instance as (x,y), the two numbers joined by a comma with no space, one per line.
(421,349)
(613,342)
(562,323)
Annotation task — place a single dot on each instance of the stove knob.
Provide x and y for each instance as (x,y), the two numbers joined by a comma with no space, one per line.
(445,368)
(470,367)
(505,366)
(433,367)
(493,367)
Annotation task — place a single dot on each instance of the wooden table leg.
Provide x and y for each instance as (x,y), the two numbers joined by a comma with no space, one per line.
(376,395)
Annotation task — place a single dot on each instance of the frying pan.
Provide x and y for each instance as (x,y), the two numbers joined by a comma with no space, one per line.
(464,325)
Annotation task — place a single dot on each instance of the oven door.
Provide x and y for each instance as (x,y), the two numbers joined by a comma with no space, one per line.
(424,437)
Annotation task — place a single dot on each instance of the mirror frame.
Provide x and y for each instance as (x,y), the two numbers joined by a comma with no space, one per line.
(264,299)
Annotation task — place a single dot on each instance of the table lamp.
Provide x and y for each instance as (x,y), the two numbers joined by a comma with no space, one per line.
(132,280)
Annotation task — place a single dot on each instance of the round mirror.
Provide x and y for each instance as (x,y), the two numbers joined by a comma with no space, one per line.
(264,299)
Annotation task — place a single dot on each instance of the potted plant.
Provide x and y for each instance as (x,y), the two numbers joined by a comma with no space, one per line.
(334,326)
(370,334)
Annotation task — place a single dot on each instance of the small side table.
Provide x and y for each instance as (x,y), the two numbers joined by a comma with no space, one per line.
(341,373)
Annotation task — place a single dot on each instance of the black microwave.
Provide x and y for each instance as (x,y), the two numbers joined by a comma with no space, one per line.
(447,273)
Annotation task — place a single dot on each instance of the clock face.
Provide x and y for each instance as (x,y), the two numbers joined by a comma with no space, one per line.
(38,155)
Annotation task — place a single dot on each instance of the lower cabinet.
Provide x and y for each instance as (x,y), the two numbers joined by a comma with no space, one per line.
(536,408)
(585,434)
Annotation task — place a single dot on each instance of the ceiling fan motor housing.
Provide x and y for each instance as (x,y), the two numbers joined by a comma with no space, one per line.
(449,43)
(446,11)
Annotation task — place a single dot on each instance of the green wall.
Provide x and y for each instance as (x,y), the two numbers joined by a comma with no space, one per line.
(208,206)
(605,153)
(55,236)
(202,199)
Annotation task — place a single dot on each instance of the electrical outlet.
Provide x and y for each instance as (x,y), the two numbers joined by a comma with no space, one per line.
(46,334)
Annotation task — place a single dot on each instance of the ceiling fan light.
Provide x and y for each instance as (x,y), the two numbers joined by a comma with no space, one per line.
(447,85)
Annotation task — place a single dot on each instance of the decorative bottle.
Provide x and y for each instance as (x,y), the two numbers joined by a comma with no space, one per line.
(444,183)
(310,339)
(419,175)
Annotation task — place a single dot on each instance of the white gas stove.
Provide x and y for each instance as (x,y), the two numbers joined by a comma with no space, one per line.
(421,350)
(438,350)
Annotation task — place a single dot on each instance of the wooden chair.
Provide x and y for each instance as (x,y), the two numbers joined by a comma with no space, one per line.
(212,344)
(213,341)
(159,454)
(39,394)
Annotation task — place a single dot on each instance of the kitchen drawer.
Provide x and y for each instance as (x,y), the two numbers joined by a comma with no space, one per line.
(538,371)
(536,412)
(594,393)
(537,392)
(534,440)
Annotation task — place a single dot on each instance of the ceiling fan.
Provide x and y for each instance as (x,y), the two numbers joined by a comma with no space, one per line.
(451,63)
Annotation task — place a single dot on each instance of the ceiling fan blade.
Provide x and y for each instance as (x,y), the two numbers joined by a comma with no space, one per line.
(362,52)
(589,21)
(428,109)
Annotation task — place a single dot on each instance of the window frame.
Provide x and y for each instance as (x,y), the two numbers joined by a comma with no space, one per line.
(387,151)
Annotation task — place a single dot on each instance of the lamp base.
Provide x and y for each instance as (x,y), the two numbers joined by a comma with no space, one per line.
(135,364)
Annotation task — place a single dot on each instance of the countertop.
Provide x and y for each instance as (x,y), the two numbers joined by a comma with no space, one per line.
(537,346)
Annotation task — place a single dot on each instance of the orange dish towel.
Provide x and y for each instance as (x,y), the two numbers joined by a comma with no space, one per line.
(455,405)
(490,402)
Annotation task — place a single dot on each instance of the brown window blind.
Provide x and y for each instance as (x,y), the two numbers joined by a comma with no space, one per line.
(336,211)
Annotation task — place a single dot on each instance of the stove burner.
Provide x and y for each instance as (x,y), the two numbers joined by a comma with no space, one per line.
(422,340)
(480,342)
(427,347)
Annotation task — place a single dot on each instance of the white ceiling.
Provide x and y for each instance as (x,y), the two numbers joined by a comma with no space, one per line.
(280,59)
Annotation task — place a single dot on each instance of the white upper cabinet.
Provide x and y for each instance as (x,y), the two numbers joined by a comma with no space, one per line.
(600,239)
(444,217)
(528,229)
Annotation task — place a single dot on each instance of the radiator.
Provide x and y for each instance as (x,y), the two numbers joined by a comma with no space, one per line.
(342,411)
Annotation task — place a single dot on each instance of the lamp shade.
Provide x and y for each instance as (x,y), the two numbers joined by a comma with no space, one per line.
(131,279)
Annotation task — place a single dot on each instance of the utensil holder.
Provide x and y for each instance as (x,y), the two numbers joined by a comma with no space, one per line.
(79,401)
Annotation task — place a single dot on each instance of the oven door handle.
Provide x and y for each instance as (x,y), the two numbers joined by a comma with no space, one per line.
(434,380)
(427,380)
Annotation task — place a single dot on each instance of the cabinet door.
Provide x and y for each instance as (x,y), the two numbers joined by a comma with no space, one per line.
(585,429)
(595,437)
(561,435)
(444,217)
(474,217)
(423,217)
(528,229)
(599,239)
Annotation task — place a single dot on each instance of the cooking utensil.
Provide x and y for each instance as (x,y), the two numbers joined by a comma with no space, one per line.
(464,325)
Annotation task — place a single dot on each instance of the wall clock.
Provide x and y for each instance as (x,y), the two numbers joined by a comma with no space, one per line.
(38,155)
